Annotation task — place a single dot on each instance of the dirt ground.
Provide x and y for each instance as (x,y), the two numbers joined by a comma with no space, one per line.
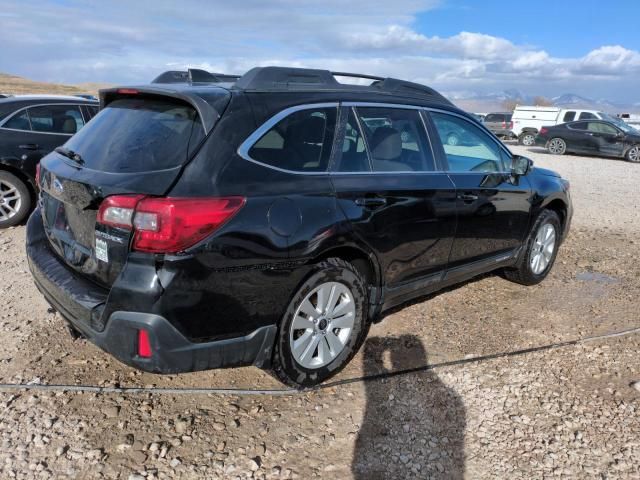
(569,411)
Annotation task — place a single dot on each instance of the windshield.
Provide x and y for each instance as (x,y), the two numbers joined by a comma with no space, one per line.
(625,127)
(138,135)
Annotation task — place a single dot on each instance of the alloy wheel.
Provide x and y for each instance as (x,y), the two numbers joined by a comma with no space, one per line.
(634,154)
(557,146)
(10,200)
(528,140)
(322,325)
(543,248)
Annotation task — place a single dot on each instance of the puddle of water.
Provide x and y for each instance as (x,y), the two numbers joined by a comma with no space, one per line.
(597,277)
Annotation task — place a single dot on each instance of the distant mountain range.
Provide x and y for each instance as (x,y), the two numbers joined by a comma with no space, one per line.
(497,102)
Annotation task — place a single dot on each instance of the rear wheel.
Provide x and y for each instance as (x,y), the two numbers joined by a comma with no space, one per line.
(557,146)
(633,154)
(15,200)
(324,325)
(540,252)
(527,139)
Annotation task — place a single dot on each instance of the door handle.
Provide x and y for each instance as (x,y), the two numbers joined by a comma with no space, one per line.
(467,197)
(29,146)
(371,202)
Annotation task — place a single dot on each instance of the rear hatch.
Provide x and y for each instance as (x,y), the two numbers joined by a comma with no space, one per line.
(137,144)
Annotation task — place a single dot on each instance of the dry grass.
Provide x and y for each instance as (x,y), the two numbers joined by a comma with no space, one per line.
(19,85)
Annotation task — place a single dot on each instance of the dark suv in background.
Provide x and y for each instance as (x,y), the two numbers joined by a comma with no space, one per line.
(30,127)
(267,220)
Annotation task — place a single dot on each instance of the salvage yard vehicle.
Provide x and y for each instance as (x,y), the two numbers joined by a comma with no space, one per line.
(269,220)
(500,124)
(30,127)
(527,121)
(595,137)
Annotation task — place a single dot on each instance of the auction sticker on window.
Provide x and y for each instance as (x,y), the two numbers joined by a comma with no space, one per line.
(102,250)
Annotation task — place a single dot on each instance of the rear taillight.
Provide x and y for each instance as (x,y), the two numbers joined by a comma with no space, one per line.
(166,224)
(504,125)
(543,131)
(38,174)
(510,125)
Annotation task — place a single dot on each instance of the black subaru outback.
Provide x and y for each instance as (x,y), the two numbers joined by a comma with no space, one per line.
(267,220)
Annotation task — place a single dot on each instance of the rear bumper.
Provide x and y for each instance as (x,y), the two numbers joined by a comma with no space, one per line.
(82,303)
(541,141)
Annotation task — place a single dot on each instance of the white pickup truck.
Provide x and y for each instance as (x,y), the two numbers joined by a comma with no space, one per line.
(527,121)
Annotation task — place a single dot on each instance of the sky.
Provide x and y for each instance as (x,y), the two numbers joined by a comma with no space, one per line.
(462,48)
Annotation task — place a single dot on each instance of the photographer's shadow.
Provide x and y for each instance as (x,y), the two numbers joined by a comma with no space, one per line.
(413,425)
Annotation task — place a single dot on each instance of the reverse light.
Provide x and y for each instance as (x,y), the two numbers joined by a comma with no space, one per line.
(144,344)
(167,224)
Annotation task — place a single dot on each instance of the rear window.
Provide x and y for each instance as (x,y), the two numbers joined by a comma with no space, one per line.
(138,135)
(496,117)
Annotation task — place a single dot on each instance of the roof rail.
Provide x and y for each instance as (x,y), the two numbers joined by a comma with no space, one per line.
(194,75)
(286,78)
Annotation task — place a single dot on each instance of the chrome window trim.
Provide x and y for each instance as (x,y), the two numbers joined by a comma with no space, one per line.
(42,105)
(243,149)
(245,146)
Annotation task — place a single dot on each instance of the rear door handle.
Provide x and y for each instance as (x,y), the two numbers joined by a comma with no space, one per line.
(29,146)
(371,202)
(467,197)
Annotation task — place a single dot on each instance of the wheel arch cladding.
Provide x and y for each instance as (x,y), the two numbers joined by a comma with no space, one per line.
(560,208)
(361,260)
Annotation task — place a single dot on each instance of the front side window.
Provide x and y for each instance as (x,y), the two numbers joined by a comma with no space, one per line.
(467,147)
(301,142)
(396,140)
(65,119)
(599,127)
(569,117)
(20,121)
(587,116)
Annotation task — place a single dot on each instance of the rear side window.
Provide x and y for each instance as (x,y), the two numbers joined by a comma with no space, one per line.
(467,147)
(354,151)
(494,117)
(579,126)
(300,142)
(569,117)
(139,135)
(396,139)
(64,119)
(587,116)
(19,121)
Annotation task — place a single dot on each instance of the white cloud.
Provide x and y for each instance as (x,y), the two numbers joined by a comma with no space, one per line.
(131,42)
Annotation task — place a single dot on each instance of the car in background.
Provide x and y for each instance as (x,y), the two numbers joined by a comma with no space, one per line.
(527,120)
(30,127)
(500,124)
(592,137)
(478,116)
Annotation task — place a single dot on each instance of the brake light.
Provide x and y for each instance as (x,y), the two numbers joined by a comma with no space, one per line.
(544,131)
(504,124)
(144,344)
(167,224)
(38,174)
(511,125)
(128,91)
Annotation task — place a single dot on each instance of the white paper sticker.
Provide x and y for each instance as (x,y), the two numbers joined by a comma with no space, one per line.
(102,250)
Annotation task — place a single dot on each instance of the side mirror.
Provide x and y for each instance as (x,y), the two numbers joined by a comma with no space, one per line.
(521,165)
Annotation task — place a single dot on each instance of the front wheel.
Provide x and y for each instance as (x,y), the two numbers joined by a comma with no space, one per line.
(15,200)
(527,139)
(324,325)
(557,146)
(540,252)
(633,154)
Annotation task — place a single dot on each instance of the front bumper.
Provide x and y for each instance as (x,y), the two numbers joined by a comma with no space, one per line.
(81,303)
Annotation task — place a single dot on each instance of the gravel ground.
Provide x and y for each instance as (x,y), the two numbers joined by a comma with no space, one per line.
(562,412)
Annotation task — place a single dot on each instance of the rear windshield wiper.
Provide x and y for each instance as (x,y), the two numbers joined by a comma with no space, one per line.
(70,154)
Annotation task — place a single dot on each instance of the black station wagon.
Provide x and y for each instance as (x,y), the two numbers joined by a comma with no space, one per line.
(209,221)
(30,127)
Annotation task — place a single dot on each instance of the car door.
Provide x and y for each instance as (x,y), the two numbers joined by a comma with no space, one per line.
(493,207)
(18,143)
(390,189)
(578,138)
(607,139)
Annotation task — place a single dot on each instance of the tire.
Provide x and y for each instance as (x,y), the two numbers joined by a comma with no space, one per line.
(15,200)
(557,146)
(453,139)
(633,154)
(290,364)
(527,272)
(527,139)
